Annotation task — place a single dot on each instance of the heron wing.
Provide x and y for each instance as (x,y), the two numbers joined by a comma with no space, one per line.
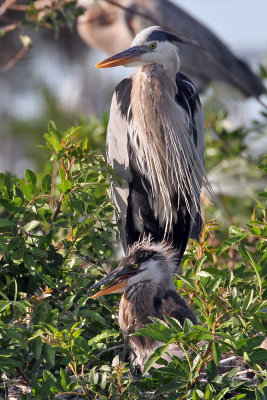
(118,155)
(217,63)
(173,305)
(187,97)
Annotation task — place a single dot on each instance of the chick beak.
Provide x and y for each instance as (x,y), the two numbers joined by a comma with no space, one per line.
(115,287)
(128,56)
(117,280)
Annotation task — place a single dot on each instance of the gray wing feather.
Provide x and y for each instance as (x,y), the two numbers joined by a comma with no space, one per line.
(196,224)
(118,158)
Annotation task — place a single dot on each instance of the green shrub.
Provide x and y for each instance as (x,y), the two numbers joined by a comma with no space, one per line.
(56,238)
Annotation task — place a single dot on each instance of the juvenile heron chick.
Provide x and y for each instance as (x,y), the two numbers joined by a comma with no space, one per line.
(145,277)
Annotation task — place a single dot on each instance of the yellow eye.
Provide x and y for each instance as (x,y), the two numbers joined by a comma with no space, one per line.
(153,45)
(135,266)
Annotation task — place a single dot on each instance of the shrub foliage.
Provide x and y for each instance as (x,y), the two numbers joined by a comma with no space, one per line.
(57,233)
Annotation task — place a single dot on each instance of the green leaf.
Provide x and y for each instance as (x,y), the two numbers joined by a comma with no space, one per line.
(65,379)
(174,323)
(31,225)
(6,222)
(36,347)
(203,274)
(106,334)
(248,300)
(29,261)
(168,388)
(229,242)
(94,315)
(4,305)
(209,392)
(68,302)
(156,332)
(46,183)
(216,353)
(258,356)
(64,186)
(49,354)
(154,357)
(30,176)
(222,393)
(263,195)
(152,334)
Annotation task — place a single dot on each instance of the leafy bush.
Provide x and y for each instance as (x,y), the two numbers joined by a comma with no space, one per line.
(56,238)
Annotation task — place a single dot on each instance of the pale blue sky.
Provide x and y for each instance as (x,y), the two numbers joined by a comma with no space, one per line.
(242,24)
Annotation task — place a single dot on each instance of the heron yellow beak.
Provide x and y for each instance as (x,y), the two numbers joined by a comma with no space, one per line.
(128,56)
(115,287)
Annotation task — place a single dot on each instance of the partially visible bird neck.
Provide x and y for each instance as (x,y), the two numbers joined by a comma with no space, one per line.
(136,306)
(172,64)
(153,91)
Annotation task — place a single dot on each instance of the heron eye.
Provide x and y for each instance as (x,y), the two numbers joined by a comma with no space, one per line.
(153,45)
(135,266)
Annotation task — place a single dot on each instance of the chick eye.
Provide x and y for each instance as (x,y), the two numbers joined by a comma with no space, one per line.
(153,45)
(135,266)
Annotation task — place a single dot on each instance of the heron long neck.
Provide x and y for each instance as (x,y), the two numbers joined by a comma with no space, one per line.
(152,142)
(136,305)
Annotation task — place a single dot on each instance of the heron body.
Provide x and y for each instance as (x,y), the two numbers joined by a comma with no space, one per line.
(155,143)
(145,277)
(111,29)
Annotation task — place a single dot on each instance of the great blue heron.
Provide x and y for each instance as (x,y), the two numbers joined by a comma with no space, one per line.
(155,143)
(111,28)
(145,277)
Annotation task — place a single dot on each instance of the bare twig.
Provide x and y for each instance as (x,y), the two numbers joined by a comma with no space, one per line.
(14,60)
(10,27)
(6,5)
(19,7)
(58,207)
(70,393)
(38,197)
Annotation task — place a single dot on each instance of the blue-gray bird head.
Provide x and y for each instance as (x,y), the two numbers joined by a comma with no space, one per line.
(145,261)
(151,45)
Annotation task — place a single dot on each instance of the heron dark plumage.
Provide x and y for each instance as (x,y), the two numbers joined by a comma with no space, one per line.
(145,277)
(155,143)
(111,29)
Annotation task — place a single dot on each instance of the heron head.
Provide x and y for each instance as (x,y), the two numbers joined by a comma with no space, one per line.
(144,262)
(150,46)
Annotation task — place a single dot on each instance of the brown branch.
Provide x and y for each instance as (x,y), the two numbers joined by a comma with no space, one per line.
(6,5)
(10,27)
(19,7)
(84,185)
(36,198)
(57,210)
(72,393)
(14,60)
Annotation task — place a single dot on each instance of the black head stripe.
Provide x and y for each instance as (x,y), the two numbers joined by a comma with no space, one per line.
(138,257)
(161,36)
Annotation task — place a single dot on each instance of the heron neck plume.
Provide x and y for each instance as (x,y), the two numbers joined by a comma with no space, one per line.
(168,160)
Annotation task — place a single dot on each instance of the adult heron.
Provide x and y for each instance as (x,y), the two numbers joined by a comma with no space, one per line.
(155,143)
(112,27)
(145,277)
